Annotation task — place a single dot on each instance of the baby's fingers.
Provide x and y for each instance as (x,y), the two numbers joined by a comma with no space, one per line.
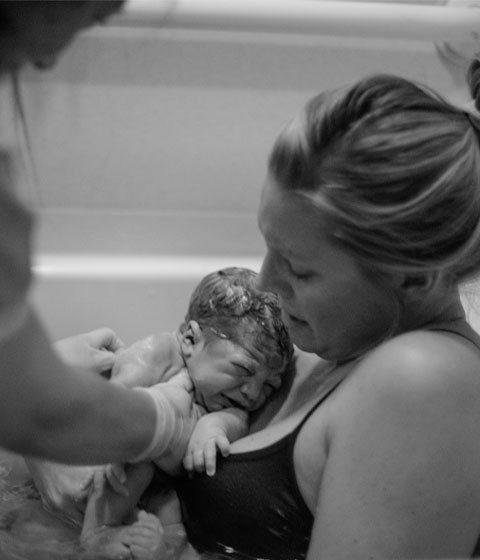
(210,455)
(210,451)
(199,460)
(188,461)
(223,445)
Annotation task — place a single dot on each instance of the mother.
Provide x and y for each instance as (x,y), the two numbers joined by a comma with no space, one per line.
(371,216)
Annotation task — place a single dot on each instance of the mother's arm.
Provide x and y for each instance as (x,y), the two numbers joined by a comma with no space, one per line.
(402,474)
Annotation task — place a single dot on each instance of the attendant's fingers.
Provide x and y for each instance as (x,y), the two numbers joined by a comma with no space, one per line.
(117,470)
(105,360)
(99,480)
(116,477)
(105,338)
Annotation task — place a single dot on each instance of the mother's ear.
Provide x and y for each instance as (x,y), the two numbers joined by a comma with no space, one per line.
(191,338)
(419,283)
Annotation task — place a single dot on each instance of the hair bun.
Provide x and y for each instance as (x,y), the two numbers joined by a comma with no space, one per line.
(473,79)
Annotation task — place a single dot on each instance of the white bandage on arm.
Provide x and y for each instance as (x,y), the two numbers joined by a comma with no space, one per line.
(169,426)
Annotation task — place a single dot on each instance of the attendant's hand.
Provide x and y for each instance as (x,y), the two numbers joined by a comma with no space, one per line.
(176,417)
(179,392)
(206,438)
(94,351)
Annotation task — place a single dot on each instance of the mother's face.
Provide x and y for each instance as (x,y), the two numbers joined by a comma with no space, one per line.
(329,304)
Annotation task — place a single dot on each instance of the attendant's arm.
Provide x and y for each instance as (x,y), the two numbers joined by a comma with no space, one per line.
(179,415)
(52,411)
(401,476)
(213,431)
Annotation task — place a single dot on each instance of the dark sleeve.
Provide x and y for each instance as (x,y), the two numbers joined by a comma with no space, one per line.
(15,233)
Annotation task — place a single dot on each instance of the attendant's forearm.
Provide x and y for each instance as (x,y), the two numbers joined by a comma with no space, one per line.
(49,411)
(98,423)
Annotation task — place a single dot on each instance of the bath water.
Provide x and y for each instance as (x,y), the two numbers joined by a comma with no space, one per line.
(27,530)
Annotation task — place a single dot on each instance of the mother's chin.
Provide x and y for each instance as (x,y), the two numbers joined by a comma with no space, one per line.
(300,331)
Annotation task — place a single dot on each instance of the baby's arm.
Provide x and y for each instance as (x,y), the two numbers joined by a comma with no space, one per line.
(214,430)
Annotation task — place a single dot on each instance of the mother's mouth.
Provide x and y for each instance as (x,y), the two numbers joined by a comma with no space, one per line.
(294,319)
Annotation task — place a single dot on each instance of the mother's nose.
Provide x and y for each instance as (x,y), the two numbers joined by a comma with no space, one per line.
(270,277)
(266,276)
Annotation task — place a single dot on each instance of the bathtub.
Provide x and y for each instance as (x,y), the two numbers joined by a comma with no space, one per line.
(148,144)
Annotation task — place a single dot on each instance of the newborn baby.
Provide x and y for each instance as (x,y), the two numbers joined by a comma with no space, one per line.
(224,360)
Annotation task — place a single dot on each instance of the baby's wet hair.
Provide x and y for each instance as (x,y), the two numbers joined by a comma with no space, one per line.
(228,303)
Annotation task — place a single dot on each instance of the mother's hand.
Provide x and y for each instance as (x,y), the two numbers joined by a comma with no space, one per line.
(95,351)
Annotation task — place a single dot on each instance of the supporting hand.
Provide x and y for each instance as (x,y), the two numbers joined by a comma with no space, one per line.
(95,350)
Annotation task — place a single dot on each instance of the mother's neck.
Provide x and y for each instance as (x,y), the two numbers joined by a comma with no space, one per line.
(439,305)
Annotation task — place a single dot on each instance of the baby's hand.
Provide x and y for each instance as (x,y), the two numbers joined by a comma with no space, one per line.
(201,454)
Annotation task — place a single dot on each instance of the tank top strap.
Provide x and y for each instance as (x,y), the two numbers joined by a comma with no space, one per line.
(460,327)
(322,399)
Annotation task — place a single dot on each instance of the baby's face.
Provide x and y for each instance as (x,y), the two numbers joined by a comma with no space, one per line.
(226,375)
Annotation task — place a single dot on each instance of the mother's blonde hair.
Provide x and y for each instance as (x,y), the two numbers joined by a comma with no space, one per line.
(396,169)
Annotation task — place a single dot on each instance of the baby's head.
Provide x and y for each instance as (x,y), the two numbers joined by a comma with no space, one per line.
(233,340)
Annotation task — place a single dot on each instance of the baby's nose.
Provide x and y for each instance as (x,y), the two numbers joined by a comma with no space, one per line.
(250,391)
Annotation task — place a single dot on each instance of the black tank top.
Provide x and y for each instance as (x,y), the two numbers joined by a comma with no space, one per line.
(252,507)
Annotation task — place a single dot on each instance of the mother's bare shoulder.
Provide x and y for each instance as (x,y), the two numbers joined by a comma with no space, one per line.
(419,357)
(418,371)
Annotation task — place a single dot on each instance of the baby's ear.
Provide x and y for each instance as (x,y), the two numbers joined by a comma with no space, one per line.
(191,336)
